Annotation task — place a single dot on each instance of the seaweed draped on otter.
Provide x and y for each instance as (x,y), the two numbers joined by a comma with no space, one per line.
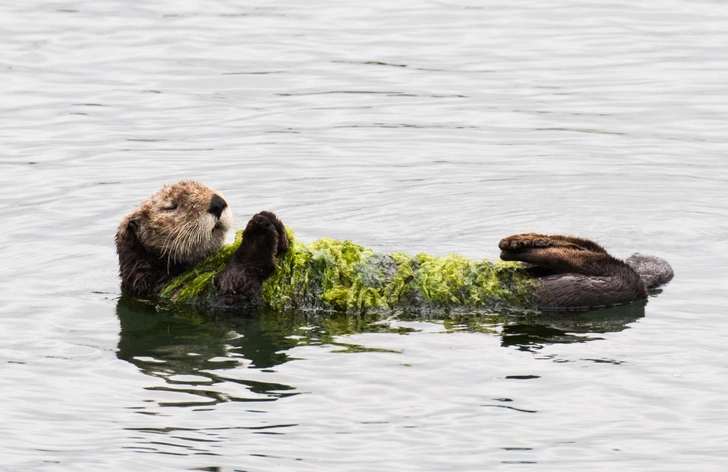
(340,275)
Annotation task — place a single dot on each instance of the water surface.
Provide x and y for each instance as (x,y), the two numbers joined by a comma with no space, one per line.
(404,126)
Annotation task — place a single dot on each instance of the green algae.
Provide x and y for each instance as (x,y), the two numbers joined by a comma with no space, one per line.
(343,276)
(330,273)
(454,280)
(198,282)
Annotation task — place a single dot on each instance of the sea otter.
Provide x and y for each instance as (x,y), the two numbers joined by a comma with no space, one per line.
(172,247)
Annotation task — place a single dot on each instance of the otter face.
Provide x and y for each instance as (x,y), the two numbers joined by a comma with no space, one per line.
(183,222)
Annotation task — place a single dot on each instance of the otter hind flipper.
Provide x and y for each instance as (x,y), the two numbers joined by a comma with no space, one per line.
(584,274)
(525,241)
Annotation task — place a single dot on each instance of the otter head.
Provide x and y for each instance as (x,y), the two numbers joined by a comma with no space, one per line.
(181,224)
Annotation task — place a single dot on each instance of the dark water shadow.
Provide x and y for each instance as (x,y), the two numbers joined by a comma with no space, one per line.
(195,351)
(532,332)
(206,346)
(173,342)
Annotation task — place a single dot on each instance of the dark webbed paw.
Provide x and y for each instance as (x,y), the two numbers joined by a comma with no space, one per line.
(260,225)
(558,254)
(282,235)
(525,241)
(528,241)
(536,248)
(260,245)
(264,238)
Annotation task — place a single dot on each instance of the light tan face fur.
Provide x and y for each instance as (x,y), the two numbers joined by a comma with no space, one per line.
(176,222)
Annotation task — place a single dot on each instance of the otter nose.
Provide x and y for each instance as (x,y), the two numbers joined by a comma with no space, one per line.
(217,205)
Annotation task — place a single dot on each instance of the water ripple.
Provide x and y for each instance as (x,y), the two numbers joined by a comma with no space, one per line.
(407,126)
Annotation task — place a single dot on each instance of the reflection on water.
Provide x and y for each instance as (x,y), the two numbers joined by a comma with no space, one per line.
(189,349)
(533,332)
(192,350)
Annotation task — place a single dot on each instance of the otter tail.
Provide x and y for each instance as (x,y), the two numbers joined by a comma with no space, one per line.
(654,271)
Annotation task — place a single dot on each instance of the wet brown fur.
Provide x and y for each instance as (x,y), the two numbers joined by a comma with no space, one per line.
(575,273)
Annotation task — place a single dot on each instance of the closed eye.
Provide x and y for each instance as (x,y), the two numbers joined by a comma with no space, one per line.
(170,206)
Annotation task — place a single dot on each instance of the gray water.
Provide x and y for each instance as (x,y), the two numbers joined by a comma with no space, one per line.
(436,126)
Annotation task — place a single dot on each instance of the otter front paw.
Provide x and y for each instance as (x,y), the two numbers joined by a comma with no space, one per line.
(260,241)
(252,262)
(282,235)
(260,225)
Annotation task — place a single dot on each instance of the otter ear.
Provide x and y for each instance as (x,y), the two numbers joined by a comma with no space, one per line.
(133,225)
